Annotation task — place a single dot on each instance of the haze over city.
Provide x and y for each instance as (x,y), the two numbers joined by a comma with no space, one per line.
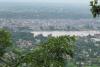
(50,1)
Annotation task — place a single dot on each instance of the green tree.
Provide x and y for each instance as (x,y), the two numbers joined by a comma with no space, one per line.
(5,42)
(95,8)
(53,53)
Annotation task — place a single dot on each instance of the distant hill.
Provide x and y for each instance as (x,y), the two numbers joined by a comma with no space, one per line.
(43,11)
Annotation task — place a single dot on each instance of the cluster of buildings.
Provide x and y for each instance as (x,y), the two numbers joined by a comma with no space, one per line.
(50,24)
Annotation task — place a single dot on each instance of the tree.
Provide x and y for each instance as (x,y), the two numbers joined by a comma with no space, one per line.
(95,8)
(5,41)
(10,56)
(52,53)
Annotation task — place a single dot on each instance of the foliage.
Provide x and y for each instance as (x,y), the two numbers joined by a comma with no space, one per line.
(5,41)
(95,8)
(52,53)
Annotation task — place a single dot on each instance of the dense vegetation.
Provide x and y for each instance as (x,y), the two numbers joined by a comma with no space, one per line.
(53,53)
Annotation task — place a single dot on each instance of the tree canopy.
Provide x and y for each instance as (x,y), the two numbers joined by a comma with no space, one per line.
(95,8)
(5,41)
(52,53)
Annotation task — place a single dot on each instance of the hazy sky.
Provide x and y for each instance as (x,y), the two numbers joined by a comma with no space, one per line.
(55,1)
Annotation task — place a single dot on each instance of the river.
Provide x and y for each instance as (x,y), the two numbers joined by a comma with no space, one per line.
(60,33)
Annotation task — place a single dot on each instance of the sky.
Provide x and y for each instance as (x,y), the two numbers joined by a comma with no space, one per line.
(51,1)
